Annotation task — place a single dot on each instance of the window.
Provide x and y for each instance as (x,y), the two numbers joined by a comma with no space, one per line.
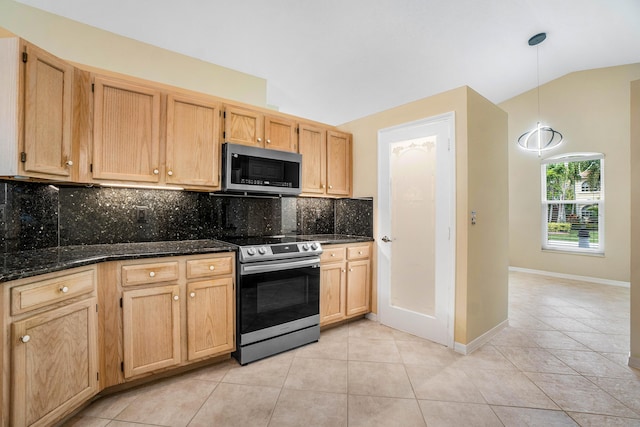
(573,203)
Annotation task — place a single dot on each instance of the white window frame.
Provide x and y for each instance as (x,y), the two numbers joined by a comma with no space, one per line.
(553,246)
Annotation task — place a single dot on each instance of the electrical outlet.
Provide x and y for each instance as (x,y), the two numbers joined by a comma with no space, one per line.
(142,214)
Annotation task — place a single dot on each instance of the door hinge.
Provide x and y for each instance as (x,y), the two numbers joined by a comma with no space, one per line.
(93,87)
(298,131)
(121,302)
(122,366)
(97,376)
(224,135)
(224,115)
(25,56)
(23,157)
(96,308)
(91,168)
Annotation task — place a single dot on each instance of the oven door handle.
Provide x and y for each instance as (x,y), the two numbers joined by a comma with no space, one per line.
(278,266)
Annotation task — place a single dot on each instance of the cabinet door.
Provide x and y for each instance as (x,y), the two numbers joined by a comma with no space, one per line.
(280,134)
(193,148)
(126,136)
(358,283)
(210,318)
(332,292)
(55,363)
(338,163)
(151,328)
(243,127)
(313,147)
(47,115)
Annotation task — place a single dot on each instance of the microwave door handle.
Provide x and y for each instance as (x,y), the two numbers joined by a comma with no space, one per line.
(278,266)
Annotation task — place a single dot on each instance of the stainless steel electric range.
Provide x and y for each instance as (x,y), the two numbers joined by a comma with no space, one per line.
(277,296)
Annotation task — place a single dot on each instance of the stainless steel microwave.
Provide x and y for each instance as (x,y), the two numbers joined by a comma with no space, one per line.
(248,169)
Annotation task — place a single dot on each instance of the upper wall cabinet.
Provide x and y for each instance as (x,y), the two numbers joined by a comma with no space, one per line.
(326,161)
(36,91)
(338,163)
(248,127)
(126,135)
(193,148)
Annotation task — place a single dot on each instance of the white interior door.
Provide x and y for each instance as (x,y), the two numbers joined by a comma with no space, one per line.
(416,193)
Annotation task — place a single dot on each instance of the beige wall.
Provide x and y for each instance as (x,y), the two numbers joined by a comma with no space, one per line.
(635,223)
(591,109)
(88,45)
(481,290)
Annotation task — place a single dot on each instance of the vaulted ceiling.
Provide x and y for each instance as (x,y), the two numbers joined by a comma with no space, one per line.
(338,60)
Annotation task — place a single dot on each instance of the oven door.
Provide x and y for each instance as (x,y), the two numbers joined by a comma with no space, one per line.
(277,297)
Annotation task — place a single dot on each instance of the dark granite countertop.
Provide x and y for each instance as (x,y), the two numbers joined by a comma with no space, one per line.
(19,265)
(332,239)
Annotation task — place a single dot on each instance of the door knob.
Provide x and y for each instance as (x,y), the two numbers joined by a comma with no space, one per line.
(385,239)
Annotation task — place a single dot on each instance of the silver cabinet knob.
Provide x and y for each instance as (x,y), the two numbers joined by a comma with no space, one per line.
(333,254)
(25,338)
(64,289)
(324,186)
(176,297)
(152,274)
(359,252)
(192,294)
(344,271)
(351,269)
(212,267)
(259,139)
(331,186)
(268,141)
(156,171)
(69,163)
(170,173)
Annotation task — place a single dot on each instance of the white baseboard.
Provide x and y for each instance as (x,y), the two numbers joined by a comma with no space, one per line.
(372,316)
(481,340)
(634,362)
(597,280)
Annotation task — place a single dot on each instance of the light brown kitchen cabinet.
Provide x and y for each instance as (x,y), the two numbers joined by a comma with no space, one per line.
(326,161)
(338,163)
(151,329)
(50,328)
(126,131)
(345,281)
(312,145)
(249,127)
(175,310)
(54,363)
(36,99)
(210,317)
(242,126)
(193,145)
(280,134)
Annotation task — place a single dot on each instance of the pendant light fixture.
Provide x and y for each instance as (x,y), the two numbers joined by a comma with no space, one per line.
(541,137)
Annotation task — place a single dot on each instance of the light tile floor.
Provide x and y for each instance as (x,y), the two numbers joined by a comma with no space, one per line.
(561,362)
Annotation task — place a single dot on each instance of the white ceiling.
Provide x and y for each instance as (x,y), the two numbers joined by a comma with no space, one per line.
(338,60)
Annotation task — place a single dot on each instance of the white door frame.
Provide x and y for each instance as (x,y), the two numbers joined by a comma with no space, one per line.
(383,269)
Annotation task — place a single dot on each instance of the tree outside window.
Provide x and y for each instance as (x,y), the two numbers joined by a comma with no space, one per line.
(573,203)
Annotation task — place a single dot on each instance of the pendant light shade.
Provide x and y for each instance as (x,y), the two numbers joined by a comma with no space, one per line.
(541,137)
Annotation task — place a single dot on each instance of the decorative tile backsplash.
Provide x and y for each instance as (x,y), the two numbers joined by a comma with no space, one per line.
(37,216)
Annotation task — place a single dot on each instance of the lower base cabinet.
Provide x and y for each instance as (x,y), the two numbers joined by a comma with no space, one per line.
(151,329)
(175,311)
(345,282)
(66,336)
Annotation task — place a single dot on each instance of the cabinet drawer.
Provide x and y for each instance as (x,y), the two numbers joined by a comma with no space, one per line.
(206,267)
(141,274)
(358,252)
(48,291)
(332,254)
